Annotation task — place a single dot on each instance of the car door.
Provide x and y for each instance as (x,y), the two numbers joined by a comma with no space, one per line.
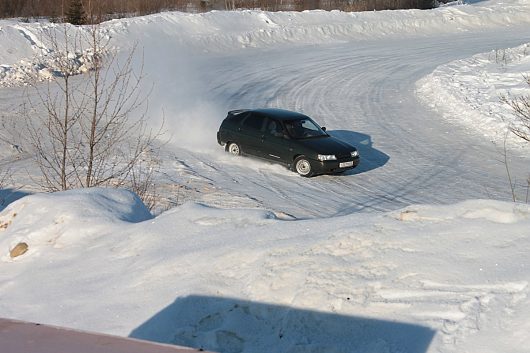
(276,145)
(250,133)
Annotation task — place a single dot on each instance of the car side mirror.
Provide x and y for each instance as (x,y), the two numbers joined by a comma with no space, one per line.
(324,128)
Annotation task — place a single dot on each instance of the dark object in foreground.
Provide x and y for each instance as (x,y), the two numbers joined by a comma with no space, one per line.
(286,137)
(26,337)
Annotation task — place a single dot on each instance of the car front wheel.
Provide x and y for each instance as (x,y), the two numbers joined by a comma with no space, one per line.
(233,148)
(302,166)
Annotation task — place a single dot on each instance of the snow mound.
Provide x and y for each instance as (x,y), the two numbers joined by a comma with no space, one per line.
(45,68)
(34,52)
(467,91)
(66,218)
(203,215)
(243,280)
(486,210)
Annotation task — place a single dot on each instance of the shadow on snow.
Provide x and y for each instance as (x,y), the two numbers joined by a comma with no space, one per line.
(8,196)
(229,325)
(371,158)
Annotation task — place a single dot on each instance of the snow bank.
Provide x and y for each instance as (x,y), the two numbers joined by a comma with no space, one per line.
(221,31)
(34,51)
(453,277)
(67,218)
(468,91)
(25,47)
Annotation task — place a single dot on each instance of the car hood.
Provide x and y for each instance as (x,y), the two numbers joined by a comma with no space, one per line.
(327,145)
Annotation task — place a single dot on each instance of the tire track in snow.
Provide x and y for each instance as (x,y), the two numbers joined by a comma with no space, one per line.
(364,91)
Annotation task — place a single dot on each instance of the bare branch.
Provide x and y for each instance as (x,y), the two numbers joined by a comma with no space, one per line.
(521,109)
(92,131)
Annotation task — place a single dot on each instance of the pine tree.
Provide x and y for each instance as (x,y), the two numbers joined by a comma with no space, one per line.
(76,13)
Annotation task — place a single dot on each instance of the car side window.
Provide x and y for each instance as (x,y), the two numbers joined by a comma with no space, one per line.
(295,128)
(274,128)
(308,125)
(303,128)
(253,122)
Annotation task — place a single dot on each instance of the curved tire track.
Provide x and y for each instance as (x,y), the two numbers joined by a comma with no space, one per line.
(365,88)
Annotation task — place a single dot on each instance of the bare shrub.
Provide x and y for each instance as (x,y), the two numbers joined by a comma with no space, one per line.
(91,131)
(521,109)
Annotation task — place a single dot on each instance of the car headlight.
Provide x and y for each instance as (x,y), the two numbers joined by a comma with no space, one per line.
(355,154)
(327,157)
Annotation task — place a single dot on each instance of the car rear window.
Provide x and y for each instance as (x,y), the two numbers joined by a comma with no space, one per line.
(254,122)
(236,118)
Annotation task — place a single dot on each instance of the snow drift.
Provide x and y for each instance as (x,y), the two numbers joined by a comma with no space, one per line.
(246,280)
(468,92)
(67,218)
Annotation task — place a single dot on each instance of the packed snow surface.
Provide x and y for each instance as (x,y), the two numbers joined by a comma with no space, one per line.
(421,279)
(256,258)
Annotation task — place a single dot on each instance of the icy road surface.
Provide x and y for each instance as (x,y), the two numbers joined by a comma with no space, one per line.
(364,93)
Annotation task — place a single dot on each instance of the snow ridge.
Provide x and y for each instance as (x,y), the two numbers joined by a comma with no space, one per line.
(232,30)
(467,92)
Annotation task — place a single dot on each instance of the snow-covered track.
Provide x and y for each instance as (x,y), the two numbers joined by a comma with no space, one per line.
(363,92)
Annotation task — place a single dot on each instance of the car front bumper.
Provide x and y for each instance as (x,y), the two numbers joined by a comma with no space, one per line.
(329,167)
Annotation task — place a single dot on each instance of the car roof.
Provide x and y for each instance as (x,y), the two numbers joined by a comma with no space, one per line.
(275,113)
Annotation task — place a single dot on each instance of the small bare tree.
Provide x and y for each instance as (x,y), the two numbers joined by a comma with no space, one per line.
(520,127)
(521,109)
(93,131)
(114,143)
(52,133)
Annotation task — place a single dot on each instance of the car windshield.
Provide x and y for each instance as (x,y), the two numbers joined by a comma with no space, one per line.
(303,128)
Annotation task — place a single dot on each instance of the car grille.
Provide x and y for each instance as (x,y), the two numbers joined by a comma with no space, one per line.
(343,156)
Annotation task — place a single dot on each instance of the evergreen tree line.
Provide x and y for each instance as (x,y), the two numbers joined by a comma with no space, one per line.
(86,11)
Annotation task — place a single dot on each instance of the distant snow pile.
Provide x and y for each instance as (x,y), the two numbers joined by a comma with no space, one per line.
(38,52)
(46,67)
(468,91)
(66,218)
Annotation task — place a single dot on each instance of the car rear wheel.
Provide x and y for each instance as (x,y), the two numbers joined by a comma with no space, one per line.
(303,167)
(233,148)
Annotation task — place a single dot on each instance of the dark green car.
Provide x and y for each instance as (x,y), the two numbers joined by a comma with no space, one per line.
(286,137)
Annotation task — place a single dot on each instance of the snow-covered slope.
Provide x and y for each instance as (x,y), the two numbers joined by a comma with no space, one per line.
(422,279)
(468,91)
(283,263)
